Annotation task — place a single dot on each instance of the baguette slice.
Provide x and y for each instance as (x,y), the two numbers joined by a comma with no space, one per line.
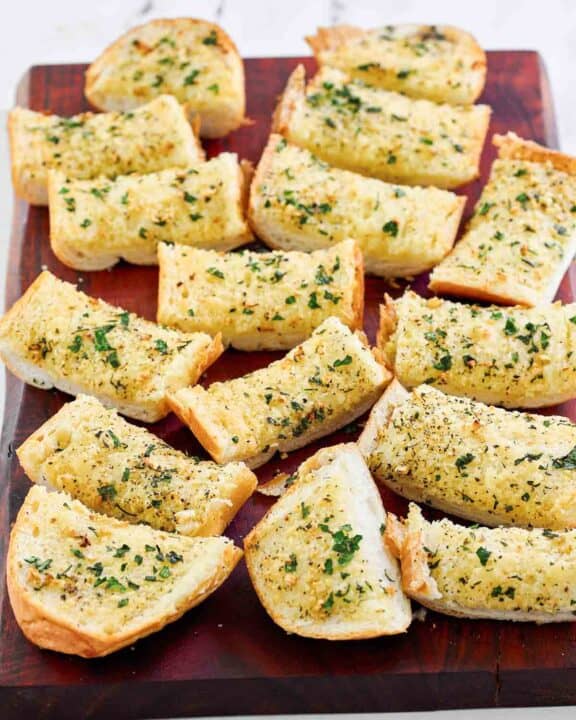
(515,357)
(56,336)
(380,133)
(475,461)
(125,472)
(153,137)
(477,572)
(298,202)
(319,386)
(317,559)
(96,223)
(194,60)
(522,237)
(81,583)
(436,62)
(260,301)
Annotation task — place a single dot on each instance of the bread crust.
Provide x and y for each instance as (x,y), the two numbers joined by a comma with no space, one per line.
(318,630)
(53,631)
(214,123)
(513,147)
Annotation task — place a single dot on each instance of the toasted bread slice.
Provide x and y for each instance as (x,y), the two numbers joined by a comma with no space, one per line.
(124,471)
(88,585)
(298,202)
(482,463)
(319,386)
(56,336)
(96,223)
(317,559)
(194,60)
(516,357)
(522,236)
(435,62)
(477,572)
(260,301)
(380,133)
(153,137)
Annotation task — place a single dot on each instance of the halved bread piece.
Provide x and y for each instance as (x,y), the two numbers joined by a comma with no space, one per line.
(153,137)
(477,572)
(298,202)
(436,62)
(475,461)
(516,357)
(96,223)
(318,387)
(317,559)
(522,236)
(260,301)
(380,133)
(194,60)
(88,585)
(56,336)
(124,471)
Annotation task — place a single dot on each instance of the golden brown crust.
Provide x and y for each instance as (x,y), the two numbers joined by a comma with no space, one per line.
(30,191)
(333,38)
(512,147)
(387,327)
(292,96)
(358,297)
(408,548)
(206,434)
(487,293)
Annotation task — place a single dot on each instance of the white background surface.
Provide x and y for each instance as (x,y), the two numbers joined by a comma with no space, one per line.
(58,31)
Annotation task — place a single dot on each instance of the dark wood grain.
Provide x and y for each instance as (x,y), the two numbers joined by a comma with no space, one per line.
(226,656)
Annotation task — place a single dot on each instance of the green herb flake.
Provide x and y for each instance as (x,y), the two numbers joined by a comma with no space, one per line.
(291,565)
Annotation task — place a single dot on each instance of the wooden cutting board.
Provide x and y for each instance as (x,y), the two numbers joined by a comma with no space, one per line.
(226,656)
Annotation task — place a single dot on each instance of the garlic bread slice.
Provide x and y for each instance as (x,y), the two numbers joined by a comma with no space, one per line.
(126,472)
(317,559)
(436,62)
(318,387)
(193,60)
(477,572)
(299,202)
(85,584)
(56,336)
(522,236)
(475,461)
(259,301)
(516,357)
(380,133)
(95,223)
(153,137)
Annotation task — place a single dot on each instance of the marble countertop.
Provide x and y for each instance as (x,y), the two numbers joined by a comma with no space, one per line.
(63,31)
